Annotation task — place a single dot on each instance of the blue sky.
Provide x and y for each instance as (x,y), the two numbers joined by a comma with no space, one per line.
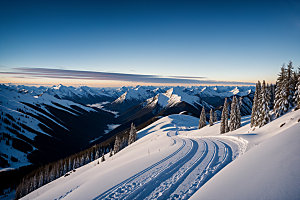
(224,41)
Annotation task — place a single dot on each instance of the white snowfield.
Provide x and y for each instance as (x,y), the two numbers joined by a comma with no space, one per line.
(174,160)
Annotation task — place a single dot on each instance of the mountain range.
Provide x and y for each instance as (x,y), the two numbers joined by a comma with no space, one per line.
(43,124)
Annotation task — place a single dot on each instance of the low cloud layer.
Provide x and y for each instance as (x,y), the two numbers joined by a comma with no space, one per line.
(106,76)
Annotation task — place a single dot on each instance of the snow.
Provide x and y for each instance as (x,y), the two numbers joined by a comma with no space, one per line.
(223,91)
(16,98)
(174,159)
(266,171)
(111,127)
(101,106)
(136,93)
(163,156)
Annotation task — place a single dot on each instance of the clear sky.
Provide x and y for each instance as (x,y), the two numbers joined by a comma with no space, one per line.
(241,41)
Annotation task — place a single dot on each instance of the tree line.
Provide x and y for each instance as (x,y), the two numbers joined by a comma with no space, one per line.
(66,166)
(225,126)
(281,97)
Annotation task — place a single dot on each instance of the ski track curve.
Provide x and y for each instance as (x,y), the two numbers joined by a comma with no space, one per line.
(179,175)
(110,191)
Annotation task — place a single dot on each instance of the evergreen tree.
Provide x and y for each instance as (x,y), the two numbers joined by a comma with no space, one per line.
(117,144)
(238,113)
(215,116)
(297,94)
(281,94)
(233,114)
(211,117)
(268,92)
(202,121)
(110,153)
(102,158)
(294,84)
(97,154)
(290,85)
(224,118)
(256,117)
(132,134)
(272,95)
(264,116)
(255,106)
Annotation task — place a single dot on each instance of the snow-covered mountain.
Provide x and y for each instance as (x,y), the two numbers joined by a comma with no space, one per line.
(173,159)
(33,122)
(82,94)
(30,113)
(171,97)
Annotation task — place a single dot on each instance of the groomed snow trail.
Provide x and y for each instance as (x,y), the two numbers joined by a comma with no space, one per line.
(179,175)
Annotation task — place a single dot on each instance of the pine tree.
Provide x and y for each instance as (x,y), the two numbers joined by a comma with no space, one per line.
(117,144)
(102,158)
(211,117)
(294,84)
(257,113)
(281,94)
(215,116)
(97,154)
(264,116)
(110,153)
(202,121)
(268,92)
(290,85)
(132,134)
(297,94)
(272,95)
(238,113)
(233,114)
(255,106)
(224,118)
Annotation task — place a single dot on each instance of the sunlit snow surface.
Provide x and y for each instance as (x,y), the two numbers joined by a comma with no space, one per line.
(174,160)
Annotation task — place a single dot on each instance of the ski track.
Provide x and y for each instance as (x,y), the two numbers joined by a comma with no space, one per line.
(179,175)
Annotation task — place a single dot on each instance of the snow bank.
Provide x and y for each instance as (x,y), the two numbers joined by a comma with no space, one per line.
(269,170)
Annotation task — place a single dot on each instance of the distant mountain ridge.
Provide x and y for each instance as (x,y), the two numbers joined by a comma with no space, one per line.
(33,119)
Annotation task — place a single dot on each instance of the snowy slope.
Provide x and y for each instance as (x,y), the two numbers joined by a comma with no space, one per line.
(20,121)
(137,93)
(267,171)
(173,159)
(150,168)
(70,92)
(224,91)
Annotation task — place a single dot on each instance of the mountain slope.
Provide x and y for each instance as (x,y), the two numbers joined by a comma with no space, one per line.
(32,125)
(145,168)
(267,171)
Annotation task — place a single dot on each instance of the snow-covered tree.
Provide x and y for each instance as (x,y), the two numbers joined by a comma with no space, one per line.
(233,115)
(291,84)
(264,116)
(102,158)
(132,134)
(97,155)
(117,144)
(202,121)
(110,153)
(211,117)
(297,94)
(255,106)
(224,118)
(281,95)
(272,95)
(238,113)
(215,116)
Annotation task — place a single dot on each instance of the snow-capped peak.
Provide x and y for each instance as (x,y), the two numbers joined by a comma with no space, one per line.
(235,91)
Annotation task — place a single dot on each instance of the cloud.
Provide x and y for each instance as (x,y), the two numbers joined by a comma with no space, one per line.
(109,76)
